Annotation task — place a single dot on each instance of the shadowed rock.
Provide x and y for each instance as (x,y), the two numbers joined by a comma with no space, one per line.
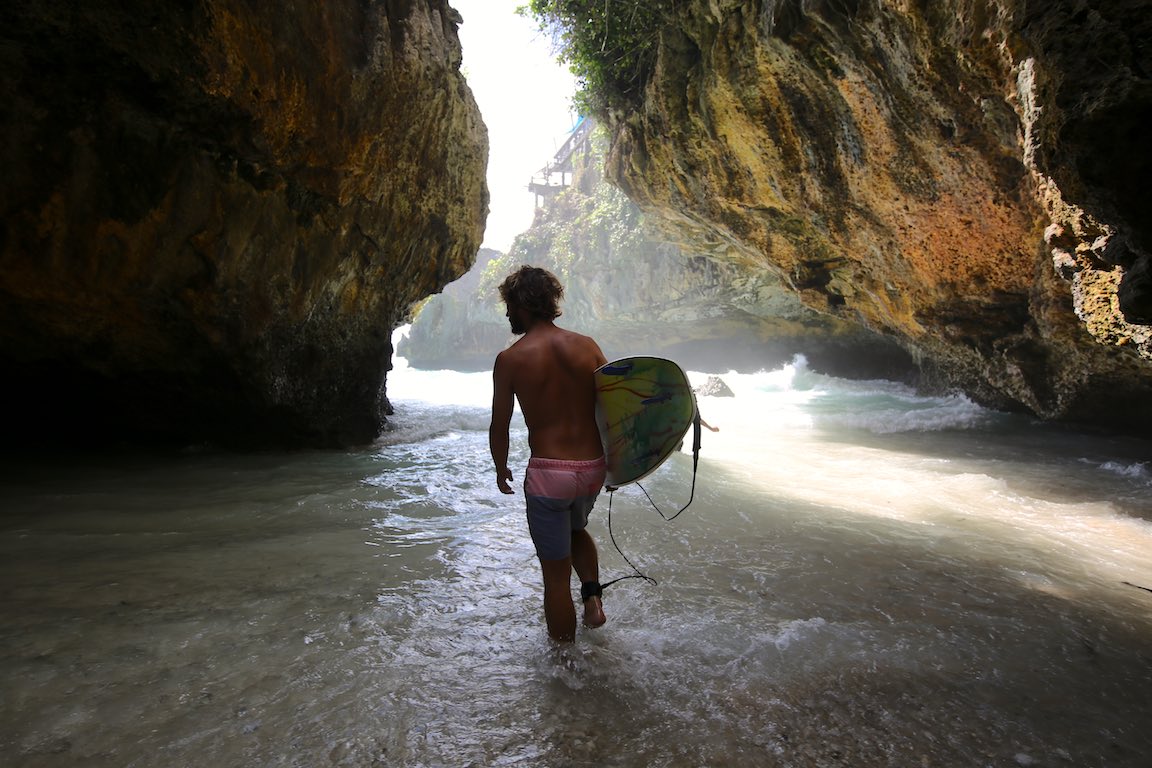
(215,212)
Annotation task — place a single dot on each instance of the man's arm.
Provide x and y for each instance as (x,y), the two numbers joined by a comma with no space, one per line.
(502,402)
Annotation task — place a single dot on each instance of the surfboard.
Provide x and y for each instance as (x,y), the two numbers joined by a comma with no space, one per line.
(644,407)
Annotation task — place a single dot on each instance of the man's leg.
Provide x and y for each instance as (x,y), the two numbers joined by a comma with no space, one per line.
(559,613)
(587,564)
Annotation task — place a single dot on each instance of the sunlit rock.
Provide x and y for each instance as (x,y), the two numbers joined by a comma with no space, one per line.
(714,386)
(638,291)
(969,177)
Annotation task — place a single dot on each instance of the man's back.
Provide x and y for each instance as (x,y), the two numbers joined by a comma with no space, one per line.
(550,370)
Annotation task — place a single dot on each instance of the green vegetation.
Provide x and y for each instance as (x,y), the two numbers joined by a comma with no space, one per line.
(578,224)
(609,45)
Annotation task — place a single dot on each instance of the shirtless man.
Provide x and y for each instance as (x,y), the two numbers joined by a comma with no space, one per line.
(549,370)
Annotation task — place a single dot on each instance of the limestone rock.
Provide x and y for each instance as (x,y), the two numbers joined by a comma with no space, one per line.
(714,386)
(970,177)
(215,212)
(458,329)
(637,291)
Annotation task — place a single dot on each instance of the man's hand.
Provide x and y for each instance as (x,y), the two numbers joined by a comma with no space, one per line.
(503,478)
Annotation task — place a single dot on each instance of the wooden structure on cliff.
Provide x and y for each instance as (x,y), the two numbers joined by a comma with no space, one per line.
(556,176)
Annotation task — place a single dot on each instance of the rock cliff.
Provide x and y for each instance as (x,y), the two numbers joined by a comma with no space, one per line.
(215,212)
(636,293)
(968,175)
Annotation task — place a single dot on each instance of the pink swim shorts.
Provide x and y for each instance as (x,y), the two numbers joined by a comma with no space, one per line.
(559,494)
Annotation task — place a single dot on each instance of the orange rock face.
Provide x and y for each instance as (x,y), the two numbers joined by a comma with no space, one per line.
(962,175)
(214,215)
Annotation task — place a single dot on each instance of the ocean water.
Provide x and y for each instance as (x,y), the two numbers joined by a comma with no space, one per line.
(865,577)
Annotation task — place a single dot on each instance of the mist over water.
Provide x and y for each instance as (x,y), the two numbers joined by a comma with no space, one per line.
(864,577)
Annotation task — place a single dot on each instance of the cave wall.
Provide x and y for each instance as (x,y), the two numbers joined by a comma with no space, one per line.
(967,175)
(215,212)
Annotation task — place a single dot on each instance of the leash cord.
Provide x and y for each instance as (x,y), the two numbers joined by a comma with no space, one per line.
(638,574)
(692,495)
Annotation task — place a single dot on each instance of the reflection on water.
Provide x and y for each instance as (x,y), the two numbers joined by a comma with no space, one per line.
(835,595)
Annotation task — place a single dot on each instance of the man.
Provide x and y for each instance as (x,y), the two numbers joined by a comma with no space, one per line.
(550,371)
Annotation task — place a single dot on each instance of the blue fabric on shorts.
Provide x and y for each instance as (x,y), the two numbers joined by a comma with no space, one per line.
(559,495)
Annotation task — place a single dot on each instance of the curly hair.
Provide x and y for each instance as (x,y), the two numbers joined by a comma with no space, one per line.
(534,289)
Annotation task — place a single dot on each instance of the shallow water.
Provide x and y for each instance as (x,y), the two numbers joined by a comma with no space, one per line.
(864,578)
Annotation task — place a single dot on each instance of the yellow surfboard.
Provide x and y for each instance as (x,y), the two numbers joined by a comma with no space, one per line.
(644,407)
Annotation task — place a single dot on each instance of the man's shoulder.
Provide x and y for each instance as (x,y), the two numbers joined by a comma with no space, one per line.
(576,337)
(522,349)
(509,352)
(581,350)
(555,340)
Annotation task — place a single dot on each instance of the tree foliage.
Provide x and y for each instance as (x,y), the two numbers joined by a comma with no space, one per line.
(609,45)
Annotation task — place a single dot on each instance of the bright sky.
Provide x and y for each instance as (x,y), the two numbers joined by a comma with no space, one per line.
(526,100)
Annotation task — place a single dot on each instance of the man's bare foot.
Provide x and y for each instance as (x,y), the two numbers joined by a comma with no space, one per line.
(594,613)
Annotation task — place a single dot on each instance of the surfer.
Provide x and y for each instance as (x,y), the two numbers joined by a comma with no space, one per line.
(549,370)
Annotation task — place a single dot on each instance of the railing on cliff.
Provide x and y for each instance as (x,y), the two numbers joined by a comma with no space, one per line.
(556,176)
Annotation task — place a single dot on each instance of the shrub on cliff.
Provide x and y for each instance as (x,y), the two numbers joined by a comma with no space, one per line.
(609,45)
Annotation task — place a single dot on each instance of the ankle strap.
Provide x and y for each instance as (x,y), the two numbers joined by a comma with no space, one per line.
(590,589)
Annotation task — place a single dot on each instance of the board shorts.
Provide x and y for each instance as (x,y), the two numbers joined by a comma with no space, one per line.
(559,494)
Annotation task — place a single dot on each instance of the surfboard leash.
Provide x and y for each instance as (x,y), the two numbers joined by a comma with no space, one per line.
(692,495)
(638,573)
(695,465)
